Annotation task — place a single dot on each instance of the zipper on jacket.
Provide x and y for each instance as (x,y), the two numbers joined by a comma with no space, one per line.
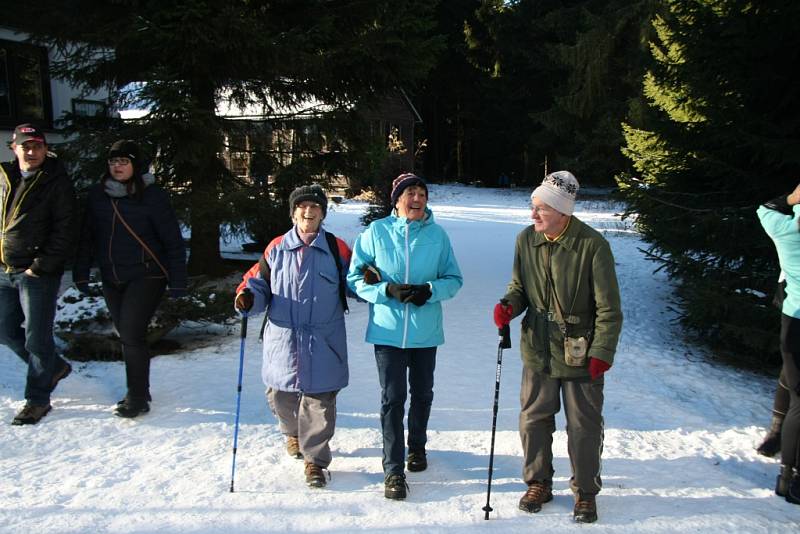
(406,305)
(14,214)
(548,365)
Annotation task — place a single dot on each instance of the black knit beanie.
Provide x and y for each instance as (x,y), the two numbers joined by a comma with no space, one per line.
(313,192)
(125,148)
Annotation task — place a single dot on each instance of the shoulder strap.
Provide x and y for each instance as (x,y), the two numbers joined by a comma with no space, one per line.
(337,257)
(137,238)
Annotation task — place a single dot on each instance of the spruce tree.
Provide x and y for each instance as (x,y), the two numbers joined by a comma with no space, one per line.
(194,55)
(721,135)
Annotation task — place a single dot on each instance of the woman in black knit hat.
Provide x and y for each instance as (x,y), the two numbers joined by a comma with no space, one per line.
(130,229)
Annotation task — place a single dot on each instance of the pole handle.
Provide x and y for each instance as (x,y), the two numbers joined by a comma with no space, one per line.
(243,333)
(505,337)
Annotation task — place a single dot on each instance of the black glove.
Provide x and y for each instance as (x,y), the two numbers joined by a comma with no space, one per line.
(420,294)
(780,205)
(244,301)
(401,292)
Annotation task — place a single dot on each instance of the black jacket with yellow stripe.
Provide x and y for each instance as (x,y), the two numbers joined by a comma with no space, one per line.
(37,225)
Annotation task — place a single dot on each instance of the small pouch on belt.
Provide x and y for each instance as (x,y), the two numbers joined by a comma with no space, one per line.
(575,351)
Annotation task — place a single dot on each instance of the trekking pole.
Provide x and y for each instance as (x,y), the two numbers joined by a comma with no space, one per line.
(505,343)
(238,394)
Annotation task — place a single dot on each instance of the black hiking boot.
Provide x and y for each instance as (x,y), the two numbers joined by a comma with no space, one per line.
(417,460)
(793,488)
(782,484)
(395,487)
(125,399)
(537,494)
(30,414)
(772,441)
(130,407)
(315,476)
(585,510)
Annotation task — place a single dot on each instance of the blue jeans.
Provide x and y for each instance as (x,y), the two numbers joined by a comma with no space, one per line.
(31,300)
(393,363)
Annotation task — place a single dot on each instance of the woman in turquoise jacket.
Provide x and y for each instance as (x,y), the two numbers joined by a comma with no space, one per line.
(781,220)
(404,266)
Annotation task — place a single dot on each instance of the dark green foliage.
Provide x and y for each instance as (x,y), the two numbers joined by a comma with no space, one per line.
(559,78)
(197,56)
(88,332)
(721,136)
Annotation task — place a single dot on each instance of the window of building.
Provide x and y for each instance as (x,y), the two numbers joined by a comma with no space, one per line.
(89,108)
(24,85)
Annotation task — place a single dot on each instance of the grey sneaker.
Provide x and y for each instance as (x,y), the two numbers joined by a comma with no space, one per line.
(30,414)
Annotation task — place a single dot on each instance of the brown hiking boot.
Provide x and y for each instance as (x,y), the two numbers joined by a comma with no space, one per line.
(537,494)
(60,375)
(315,476)
(30,414)
(585,510)
(293,447)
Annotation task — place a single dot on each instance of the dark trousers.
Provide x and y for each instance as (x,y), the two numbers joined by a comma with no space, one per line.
(583,406)
(399,369)
(781,403)
(132,305)
(31,300)
(790,431)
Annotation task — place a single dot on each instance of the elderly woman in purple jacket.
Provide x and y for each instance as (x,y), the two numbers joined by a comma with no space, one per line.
(300,285)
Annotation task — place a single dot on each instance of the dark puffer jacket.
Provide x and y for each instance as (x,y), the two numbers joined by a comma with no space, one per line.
(121,257)
(37,224)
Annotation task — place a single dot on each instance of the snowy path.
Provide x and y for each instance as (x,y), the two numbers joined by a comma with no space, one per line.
(679,432)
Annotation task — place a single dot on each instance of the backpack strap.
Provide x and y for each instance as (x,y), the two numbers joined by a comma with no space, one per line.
(265,272)
(337,257)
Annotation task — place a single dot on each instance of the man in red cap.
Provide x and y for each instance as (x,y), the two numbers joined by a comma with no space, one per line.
(36,236)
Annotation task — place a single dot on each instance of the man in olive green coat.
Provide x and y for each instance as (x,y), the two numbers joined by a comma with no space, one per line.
(564,281)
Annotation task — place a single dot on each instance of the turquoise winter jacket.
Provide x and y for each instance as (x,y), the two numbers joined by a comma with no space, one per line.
(785,232)
(405,252)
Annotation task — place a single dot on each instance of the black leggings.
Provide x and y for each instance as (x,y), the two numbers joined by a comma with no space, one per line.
(790,350)
(132,305)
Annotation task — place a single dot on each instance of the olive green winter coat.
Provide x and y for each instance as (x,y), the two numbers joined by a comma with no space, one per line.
(585,283)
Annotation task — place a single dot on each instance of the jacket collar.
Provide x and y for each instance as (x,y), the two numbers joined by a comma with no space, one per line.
(50,169)
(292,241)
(568,239)
(400,223)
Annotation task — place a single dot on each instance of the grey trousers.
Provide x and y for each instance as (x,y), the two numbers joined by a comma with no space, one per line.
(583,405)
(310,417)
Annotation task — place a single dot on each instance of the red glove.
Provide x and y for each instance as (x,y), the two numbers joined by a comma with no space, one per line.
(597,367)
(502,314)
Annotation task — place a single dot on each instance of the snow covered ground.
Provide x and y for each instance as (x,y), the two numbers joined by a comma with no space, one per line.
(679,443)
